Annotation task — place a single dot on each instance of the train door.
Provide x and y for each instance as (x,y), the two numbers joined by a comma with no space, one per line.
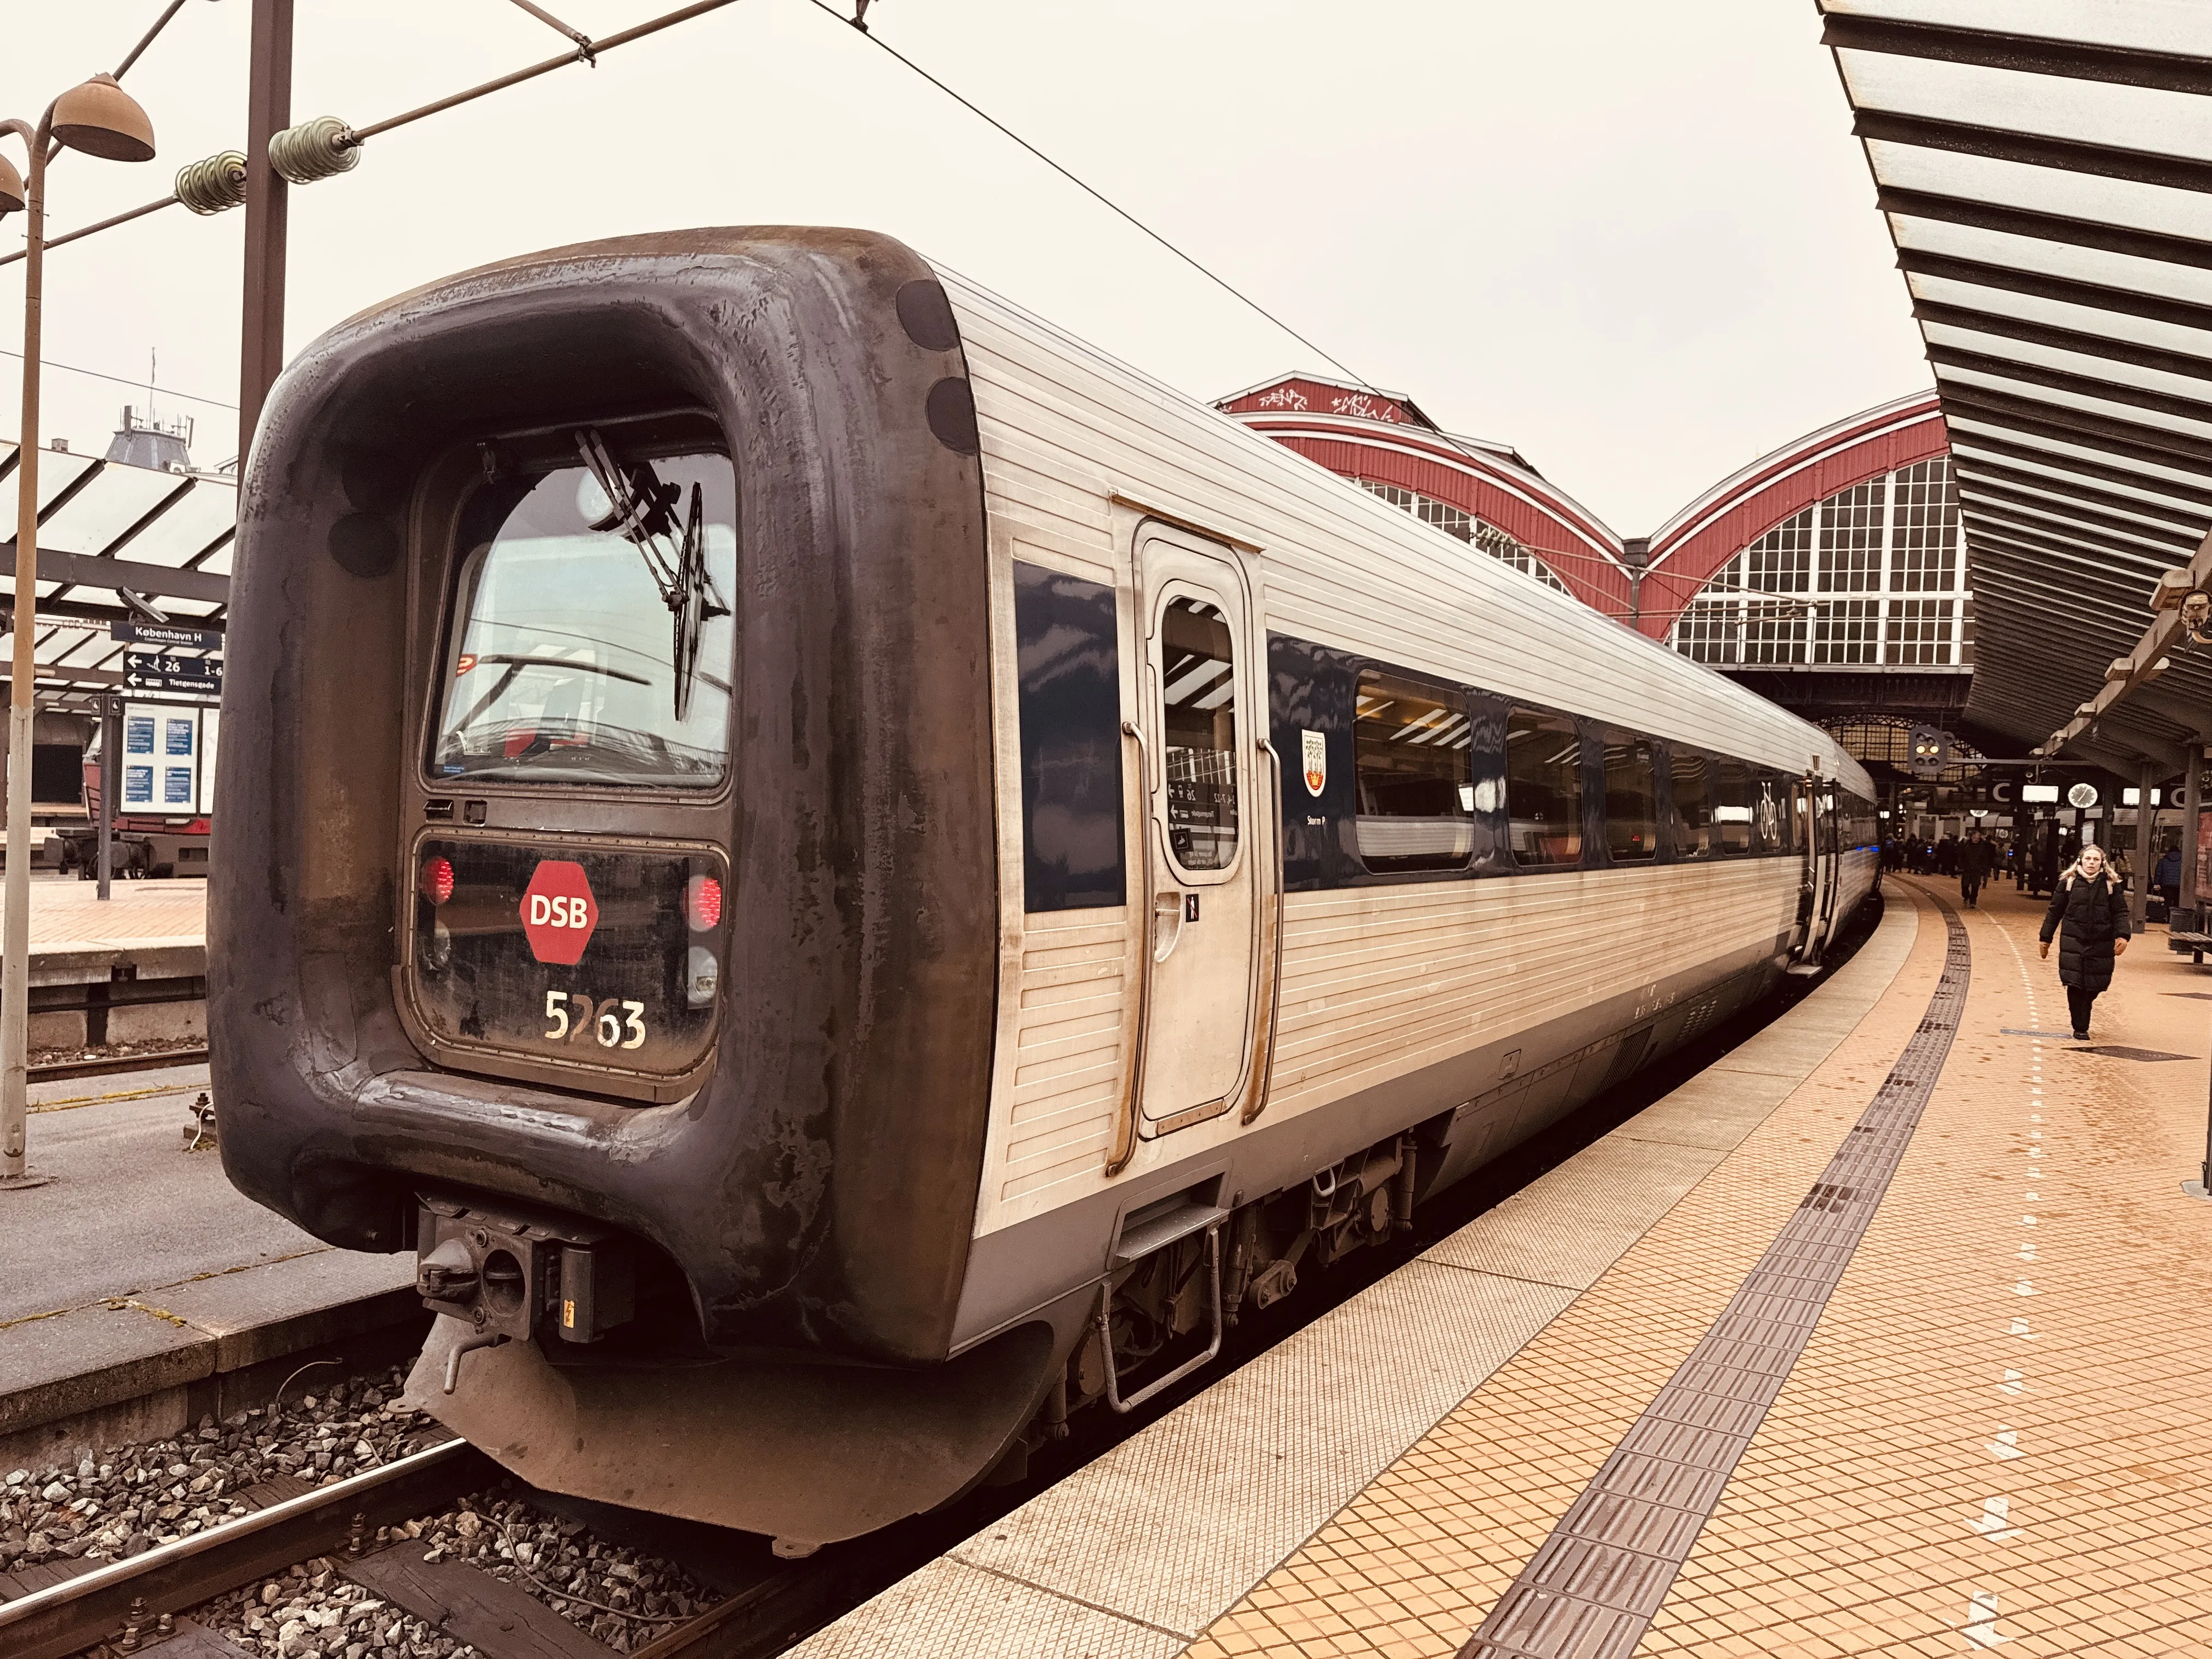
(1804,838)
(1203,841)
(1828,822)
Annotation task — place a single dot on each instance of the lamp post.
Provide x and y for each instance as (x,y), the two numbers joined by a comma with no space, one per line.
(99,118)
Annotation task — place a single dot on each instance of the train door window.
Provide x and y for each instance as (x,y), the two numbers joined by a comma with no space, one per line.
(1198,698)
(1695,833)
(592,640)
(1069,671)
(1413,753)
(1544,787)
(1632,798)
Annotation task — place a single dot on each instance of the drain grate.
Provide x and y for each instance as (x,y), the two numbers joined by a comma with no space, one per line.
(1592,1589)
(2008,1031)
(2115,1051)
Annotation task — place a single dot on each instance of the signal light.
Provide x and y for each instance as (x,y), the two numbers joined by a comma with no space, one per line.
(437,882)
(702,902)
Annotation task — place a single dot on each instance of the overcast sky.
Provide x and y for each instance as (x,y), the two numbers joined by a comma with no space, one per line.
(1635,240)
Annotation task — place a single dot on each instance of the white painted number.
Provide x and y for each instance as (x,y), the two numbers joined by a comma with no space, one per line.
(559,911)
(599,1021)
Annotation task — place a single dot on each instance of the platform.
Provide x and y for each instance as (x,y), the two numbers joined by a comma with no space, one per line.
(1851,1345)
(144,1291)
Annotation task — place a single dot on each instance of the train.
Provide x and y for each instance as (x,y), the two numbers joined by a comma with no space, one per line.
(855,876)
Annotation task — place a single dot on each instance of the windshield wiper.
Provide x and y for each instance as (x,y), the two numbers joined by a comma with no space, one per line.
(641,510)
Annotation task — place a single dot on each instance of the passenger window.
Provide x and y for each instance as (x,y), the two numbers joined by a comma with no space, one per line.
(1732,807)
(1632,798)
(1069,670)
(1544,787)
(1413,749)
(1198,695)
(1693,806)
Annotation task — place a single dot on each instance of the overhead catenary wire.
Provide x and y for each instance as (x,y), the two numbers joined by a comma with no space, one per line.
(588,54)
(1097,195)
(1123,213)
(121,379)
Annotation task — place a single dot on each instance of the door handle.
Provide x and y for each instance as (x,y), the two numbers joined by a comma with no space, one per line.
(1168,912)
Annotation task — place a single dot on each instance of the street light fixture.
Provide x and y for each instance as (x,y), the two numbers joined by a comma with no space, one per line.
(100,119)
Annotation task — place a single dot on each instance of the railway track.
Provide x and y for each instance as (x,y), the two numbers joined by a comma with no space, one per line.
(63,1070)
(143,1604)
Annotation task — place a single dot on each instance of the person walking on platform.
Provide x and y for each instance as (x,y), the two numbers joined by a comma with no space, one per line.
(2089,915)
(1975,858)
(2165,876)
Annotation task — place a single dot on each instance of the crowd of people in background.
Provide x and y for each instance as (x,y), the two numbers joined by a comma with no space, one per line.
(2033,864)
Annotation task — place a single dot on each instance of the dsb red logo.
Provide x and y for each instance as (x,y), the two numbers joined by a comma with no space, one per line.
(558,912)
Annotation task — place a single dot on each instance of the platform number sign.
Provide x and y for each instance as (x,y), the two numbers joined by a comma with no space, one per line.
(558,912)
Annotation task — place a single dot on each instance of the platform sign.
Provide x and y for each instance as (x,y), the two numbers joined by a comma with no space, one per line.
(165,635)
(148,671)
(168,759)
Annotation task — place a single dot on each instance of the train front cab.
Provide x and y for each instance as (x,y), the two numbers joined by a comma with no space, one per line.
(609,642)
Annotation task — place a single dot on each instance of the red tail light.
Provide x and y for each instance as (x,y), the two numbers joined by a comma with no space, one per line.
(437,882)
(702,901)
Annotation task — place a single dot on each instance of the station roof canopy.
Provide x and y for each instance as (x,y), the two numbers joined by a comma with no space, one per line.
(2045,166)
(104,526)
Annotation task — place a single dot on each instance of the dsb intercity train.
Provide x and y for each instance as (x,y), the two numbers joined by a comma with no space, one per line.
(854,877)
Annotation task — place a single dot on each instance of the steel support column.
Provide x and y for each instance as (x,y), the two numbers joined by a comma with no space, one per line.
(111,781)
(2140,897)
(268,111)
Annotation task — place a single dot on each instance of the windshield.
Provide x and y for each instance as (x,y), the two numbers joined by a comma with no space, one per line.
(574,656)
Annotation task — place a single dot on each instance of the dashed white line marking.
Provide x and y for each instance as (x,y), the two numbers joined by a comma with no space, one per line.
(2027,1251)
(2027,1221)
(1981,1625)
(2013,1382)
(2020,1328)
(2006,1445)
(1996,1521)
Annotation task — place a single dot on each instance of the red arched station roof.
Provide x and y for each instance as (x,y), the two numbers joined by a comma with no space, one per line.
(1692,546)
(1357,432)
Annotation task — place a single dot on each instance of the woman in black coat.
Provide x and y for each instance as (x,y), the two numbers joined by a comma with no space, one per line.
(2089,914)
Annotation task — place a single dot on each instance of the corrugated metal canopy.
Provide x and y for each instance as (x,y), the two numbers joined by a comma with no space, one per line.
(2045,166)
(166,535)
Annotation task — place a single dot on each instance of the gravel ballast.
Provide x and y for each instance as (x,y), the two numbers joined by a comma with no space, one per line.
(130,1498)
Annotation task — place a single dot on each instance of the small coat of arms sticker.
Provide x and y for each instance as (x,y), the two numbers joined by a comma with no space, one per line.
(1314,745)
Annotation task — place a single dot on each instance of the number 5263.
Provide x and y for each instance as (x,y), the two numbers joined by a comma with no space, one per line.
(571,1016)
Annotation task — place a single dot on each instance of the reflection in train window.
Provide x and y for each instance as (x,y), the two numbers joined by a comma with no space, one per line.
(1693,805)
(1198,693)
(1732,811)
(1414,754)
(1069,675)
(1632,798)
(1544,786)
(568,658)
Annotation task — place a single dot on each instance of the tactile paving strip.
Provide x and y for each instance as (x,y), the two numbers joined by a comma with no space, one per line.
(1593,1587)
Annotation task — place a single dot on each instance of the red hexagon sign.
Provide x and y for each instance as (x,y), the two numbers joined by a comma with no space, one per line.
(558,911)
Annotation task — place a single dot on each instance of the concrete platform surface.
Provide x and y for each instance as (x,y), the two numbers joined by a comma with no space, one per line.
(68,915)
(140,1270)
(1171,1537)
